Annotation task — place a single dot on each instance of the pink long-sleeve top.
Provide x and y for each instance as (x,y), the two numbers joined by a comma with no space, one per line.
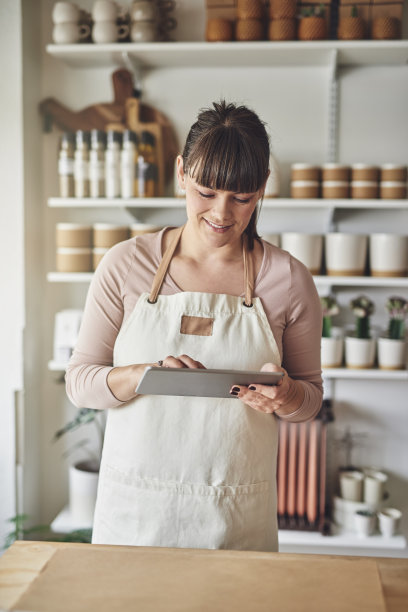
(283,284)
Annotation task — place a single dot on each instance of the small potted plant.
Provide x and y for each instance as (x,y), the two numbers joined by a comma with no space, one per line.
(359,345)
(332,337)
(392,344)
(312,23)
(351,27)
(84,474)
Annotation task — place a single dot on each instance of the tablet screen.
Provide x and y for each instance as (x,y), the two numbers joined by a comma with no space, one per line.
(200,383)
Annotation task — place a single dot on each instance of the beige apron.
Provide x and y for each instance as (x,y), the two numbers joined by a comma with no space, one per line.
(191,472)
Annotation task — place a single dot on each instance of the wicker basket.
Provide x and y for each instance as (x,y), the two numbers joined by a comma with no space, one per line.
(250,9)
(282,29)
(282,9)
(312,28)
(386,28)
(351,28)
(249,29)
(219,30)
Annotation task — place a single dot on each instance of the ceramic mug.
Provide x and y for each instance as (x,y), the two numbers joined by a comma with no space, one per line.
(143,31)
(389,519)
(69,33)
(65,12)
(106,10)
(108,32)
(351,485)
(143,11)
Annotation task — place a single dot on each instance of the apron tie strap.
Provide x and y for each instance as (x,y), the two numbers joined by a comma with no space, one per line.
(163,266)
(167,257)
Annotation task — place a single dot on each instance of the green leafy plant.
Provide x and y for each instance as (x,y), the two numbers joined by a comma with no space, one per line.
(42,532)
(398,310)
(330,308)
(362,308)
(84,416)
(313,11)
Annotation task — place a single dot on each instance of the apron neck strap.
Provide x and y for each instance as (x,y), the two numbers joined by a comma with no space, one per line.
(168,255)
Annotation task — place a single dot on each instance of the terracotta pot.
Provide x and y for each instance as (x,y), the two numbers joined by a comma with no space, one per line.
(386,28)
(250,9)
(282,29)
(312,28)
(351,28)
(219,30)
(249,29)
(282,9)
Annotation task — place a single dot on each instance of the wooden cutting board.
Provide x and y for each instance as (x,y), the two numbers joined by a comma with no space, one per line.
(110,578)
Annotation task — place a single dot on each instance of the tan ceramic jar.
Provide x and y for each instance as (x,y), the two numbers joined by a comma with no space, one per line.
(305,172)
(364,172)
(335,172)
(393,190)
(365,190)
(393,172)
(304,189)
(73,235)
(74,260)
(335,189)
(105,235)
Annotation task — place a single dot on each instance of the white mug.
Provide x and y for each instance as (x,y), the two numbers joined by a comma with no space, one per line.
(65,12)
(308,248)
(108,32)
(351,485)
(345,254)
(143,10)
(105,10)
(389,519)
(143,31)
(388,255)
(69,33)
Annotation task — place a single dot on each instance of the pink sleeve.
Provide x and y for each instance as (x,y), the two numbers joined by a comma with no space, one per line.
(302,339)
(92,360)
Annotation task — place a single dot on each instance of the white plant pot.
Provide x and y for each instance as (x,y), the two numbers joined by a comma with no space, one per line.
(345,254)
(83,484)
(332,349)
(388,255)
(359,352)
(391,354)
(308,248)
(365,523)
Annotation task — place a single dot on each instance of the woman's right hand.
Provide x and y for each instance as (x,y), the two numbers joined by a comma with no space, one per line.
(182,361)
(123,380)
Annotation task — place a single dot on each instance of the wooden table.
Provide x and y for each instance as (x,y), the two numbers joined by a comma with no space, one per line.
(26,561)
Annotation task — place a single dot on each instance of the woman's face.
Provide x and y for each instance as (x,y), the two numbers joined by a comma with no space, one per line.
(220,216)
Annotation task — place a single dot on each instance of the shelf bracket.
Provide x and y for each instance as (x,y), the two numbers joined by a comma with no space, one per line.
(333,115)
(135,68)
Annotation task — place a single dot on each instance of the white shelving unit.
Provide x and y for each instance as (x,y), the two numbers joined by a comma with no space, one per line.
(329,54)
(340,542)
(261,54)
(267,203)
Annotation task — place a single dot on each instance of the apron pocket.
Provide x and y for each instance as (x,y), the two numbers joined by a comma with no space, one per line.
(149,512)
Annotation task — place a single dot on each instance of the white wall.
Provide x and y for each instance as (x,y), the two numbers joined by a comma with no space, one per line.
(294,102)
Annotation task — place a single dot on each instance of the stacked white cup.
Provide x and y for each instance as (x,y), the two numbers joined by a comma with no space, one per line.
(106,29)
(143,18)
(67,27)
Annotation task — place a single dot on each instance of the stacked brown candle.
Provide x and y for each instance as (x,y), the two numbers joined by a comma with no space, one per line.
(282,24)
(393,181)
(305,180)
(250,20)
(364,181)
(74,247)
(335,181)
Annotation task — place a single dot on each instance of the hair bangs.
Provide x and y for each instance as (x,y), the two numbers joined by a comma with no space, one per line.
(224,159)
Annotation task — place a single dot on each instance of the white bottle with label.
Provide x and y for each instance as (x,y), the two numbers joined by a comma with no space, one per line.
(112,164)
(128,165)
(66,165)
(97,164)
(272,187)
(81,164)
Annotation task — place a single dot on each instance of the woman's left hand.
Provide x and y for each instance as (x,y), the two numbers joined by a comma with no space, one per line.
(266,398)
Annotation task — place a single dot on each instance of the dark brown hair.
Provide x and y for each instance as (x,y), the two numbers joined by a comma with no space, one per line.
(228,148)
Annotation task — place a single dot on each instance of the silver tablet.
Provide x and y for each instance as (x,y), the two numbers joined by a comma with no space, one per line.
(200,383)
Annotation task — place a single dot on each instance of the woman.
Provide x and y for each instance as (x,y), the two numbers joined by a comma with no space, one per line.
(199,472)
